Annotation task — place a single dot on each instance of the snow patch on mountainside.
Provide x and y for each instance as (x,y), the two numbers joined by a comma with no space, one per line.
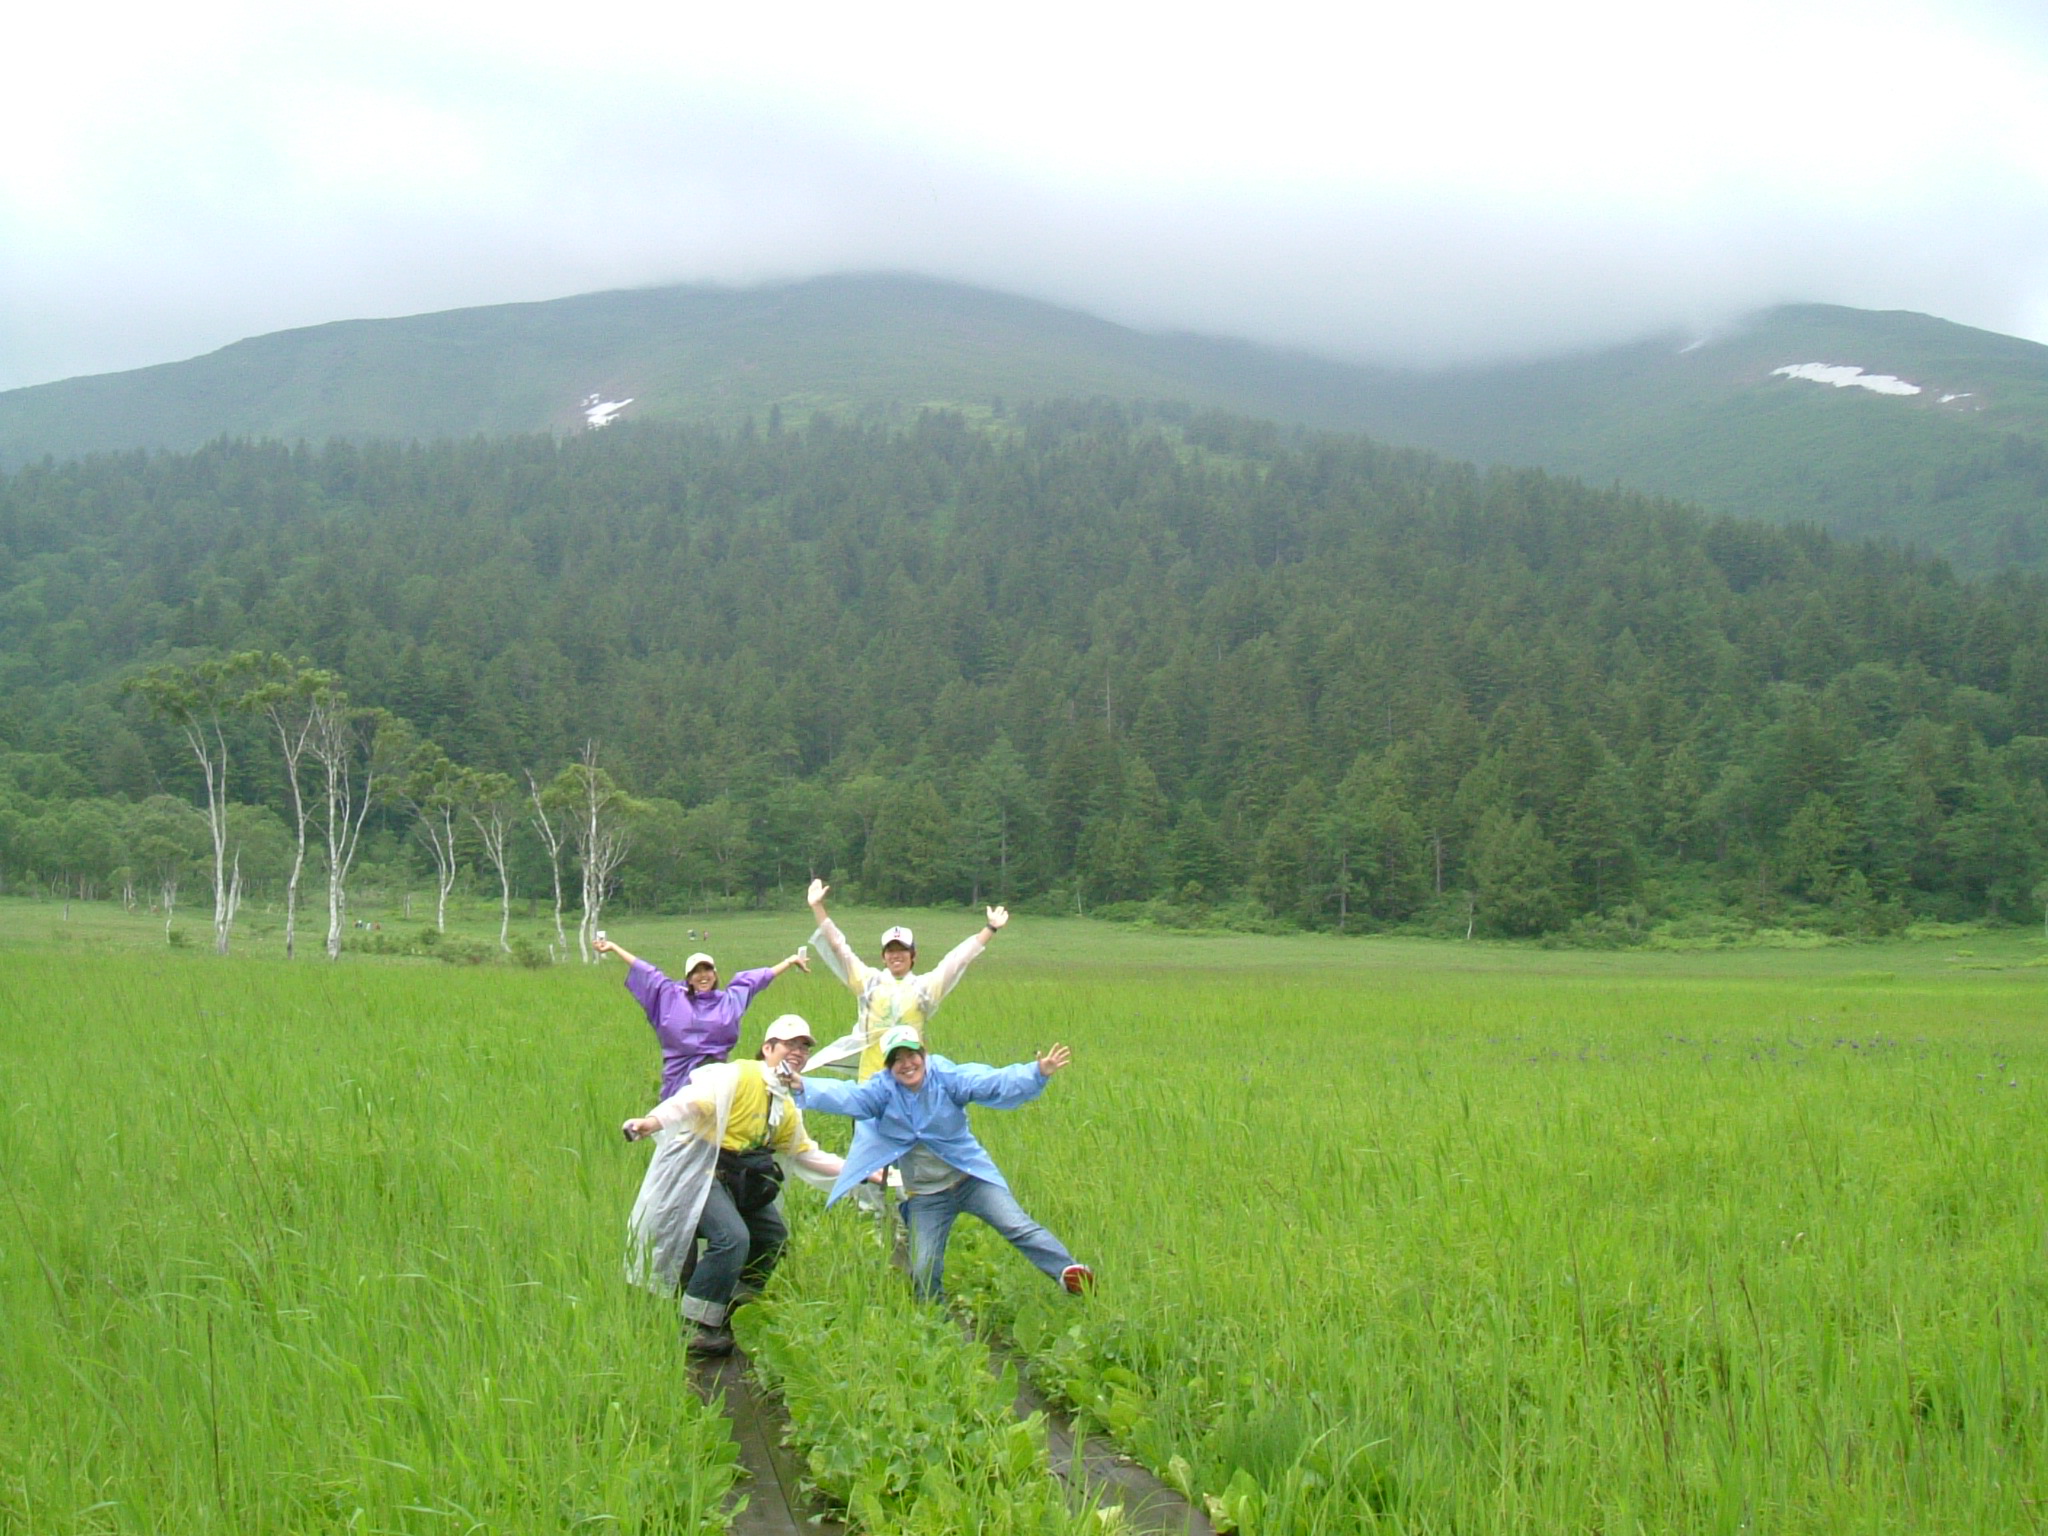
(1842,376)
(600,412)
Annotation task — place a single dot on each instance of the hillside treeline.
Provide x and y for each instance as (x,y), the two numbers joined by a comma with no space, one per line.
(1069,655)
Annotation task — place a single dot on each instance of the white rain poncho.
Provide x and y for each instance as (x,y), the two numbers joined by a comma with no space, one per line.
(662,1230)
(884,1002)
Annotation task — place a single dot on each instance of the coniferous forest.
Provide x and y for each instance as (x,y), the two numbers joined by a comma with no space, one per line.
(1137,661)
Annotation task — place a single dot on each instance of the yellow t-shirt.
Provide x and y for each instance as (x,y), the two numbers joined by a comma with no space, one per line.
(748,1123)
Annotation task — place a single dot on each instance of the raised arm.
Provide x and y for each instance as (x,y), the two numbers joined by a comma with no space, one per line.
(848,968)
(644,980)
(742,987)
(800,960)
(692,1107)
(605,946)
(859,1101)
(1005,1087)
(947,973)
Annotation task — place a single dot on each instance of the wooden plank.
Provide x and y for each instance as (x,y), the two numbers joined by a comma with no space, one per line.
(774,1507)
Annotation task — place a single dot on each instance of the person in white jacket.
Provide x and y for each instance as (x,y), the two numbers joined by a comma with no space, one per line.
(891,997)
(724,1141)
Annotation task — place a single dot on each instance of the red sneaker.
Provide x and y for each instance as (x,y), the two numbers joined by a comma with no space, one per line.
(1078,1278)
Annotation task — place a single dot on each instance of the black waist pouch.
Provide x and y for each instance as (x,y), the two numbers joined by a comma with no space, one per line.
(753,1178)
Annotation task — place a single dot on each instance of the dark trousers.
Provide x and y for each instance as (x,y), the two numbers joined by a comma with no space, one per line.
(736,1248)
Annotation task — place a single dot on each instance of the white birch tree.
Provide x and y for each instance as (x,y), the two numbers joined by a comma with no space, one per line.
(491,801)
(351,747)
(553,837)
(600,816)
(197,699)
(432,789)
(285,693)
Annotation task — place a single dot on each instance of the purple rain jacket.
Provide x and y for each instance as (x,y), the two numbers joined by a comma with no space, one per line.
(692,1029)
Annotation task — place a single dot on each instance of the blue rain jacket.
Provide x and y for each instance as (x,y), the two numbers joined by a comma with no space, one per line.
(889,1119)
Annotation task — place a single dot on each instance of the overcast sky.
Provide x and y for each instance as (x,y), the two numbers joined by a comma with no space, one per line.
(1448,182)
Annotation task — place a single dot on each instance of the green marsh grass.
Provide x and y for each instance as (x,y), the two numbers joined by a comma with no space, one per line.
(321,1248)
(1558,1247)
(1391,1235)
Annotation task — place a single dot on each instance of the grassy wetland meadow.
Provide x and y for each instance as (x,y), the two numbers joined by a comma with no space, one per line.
(1392,1235)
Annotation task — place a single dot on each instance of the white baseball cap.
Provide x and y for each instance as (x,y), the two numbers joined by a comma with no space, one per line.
(700,958)
(790,1026)
(899,935)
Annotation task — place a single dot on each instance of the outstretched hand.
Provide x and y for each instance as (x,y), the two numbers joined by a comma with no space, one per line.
(1054,1059)
(816,895)
(997,916)
(802,961)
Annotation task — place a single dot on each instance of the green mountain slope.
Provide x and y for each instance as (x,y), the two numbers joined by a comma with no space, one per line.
(1960,467)
(680,354)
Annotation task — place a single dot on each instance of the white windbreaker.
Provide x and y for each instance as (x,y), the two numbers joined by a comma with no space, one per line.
(884,1001)
(663,1227)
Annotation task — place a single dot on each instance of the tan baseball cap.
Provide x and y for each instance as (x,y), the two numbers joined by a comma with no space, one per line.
(790,1026)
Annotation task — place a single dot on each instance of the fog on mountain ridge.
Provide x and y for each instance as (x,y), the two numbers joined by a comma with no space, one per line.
(1467,184)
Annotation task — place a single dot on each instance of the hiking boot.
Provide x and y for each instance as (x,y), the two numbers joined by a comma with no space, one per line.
(1077,1278)
(709,1343)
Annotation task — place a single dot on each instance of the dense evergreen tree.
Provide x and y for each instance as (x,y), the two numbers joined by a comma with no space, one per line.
(1072,655)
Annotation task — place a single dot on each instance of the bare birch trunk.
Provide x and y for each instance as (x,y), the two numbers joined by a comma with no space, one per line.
(217,825)
(504,909)
(552,841)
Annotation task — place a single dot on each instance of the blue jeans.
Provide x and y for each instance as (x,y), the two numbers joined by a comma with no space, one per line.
(931,1220)
(736,1248)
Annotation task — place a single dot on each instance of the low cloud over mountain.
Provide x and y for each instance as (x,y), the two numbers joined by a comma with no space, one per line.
(1477,183)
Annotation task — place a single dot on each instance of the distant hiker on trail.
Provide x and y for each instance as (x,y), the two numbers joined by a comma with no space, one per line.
(696,1020)
(725,1141)
(889,998)
(914,1114)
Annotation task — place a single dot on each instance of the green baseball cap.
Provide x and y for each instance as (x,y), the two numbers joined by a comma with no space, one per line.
(900,1038)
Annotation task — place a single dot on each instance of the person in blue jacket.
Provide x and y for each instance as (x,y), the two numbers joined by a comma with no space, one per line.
(913,1113)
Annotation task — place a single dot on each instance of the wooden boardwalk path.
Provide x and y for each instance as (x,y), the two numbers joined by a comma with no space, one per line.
(774,1473)
(1091,1470)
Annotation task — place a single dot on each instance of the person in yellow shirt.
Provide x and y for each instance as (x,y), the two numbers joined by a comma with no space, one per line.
(724,1142)
(892,997)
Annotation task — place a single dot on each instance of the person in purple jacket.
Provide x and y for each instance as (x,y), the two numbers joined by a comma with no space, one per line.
(696,1020)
